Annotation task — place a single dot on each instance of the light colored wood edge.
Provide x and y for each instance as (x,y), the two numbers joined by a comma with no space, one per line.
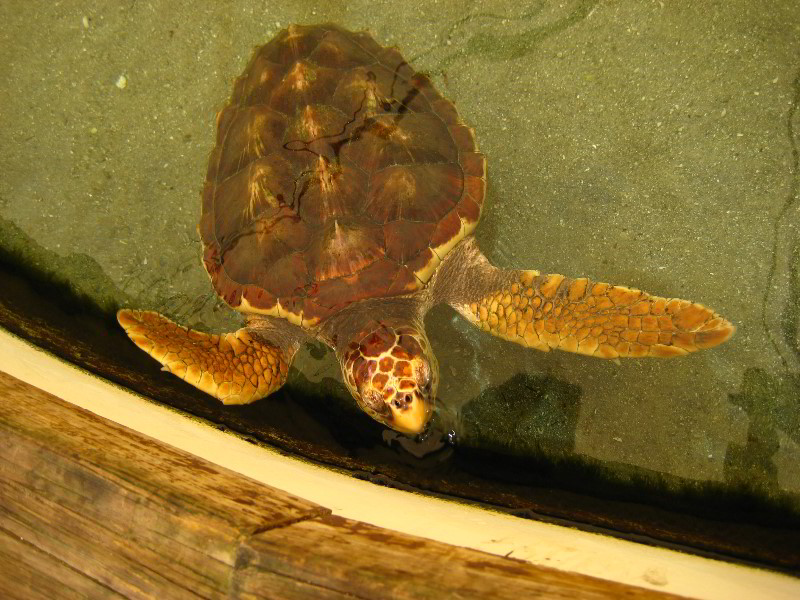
(363,561)
(445,521)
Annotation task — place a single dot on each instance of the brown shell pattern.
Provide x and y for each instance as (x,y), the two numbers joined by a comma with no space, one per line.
(339,174)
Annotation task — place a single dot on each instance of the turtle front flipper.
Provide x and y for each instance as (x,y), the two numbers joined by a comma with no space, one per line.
(597,319)
(234,367)
(578,315)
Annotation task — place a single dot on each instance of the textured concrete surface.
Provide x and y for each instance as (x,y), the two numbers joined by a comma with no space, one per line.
(653,144)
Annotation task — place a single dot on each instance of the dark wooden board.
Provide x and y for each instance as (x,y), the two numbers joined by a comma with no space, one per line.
(27,573)
(91,509)
(128,511)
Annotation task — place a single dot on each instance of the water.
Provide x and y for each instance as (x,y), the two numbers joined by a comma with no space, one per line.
(647,144)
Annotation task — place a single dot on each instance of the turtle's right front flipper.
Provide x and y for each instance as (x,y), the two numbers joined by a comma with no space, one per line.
(234,367)
(578,315)
(593,318)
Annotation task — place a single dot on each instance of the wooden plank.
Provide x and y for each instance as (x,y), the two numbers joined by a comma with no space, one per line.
(27,573)
(91,509)
(343,558)
(128,511)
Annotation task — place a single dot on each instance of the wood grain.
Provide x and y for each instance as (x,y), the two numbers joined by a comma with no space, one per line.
(91,509)
(27,573)
(128,511)
(355,559)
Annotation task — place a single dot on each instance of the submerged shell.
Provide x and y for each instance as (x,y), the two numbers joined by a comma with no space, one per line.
(339,174)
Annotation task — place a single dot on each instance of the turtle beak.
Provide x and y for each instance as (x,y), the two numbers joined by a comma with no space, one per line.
(413,416)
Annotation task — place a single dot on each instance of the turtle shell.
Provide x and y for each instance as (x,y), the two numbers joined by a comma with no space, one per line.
(339,174)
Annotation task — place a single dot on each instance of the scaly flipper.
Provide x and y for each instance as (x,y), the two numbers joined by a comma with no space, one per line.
(598,319)
(578,315)
(234,367)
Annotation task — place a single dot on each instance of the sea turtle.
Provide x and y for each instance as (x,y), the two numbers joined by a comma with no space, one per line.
(339,205)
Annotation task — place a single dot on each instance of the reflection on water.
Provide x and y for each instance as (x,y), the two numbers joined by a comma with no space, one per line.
(635,143)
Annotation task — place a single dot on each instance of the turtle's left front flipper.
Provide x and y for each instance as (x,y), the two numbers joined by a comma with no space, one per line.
(579,315)
(234,367)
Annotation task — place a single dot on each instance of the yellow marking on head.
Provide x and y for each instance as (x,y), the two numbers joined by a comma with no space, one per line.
(413,420)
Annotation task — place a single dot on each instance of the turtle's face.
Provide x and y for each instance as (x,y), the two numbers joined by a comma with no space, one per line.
(393,376)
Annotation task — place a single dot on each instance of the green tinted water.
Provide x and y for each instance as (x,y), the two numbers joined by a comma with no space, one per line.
(648,144)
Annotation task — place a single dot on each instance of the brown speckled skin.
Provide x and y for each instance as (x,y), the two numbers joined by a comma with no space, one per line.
(386,371)
(339,205)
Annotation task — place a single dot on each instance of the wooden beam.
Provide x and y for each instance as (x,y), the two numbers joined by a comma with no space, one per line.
(92,509)
(128,511)
(27,573)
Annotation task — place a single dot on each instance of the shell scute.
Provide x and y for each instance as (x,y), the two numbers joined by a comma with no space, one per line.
(250,135)
(464,138)
(289,44)
(393,59)
(304,83)
(469,210)
(446,229)
(262,186)
(312,122)
(255,87)
(340,51)
(375,87)
(339,174)
(475,189)
(446,111)
(404,282)
(387,141)
(420,192)
(345,246)
(406,239)
(329,193)
(288,276)
(473,164)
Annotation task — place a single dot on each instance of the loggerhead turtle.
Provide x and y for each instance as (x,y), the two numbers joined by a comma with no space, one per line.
(339,205)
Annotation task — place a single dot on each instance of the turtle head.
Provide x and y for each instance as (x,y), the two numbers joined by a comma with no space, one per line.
(393,376)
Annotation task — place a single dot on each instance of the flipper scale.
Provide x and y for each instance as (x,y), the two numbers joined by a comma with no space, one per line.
(235,368)
(596,319)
